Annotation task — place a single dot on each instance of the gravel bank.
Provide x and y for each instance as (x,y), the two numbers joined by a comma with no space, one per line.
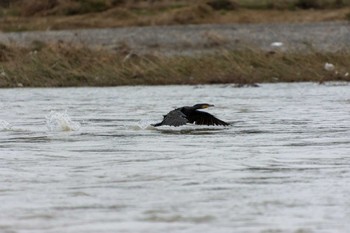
(189,39)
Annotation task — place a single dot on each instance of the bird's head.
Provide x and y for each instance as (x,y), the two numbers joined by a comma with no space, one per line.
(202,106)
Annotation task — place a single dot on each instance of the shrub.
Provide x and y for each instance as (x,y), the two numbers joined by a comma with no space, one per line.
(308,4)
(223,4)
(347,16)
(87,6)
(34,7)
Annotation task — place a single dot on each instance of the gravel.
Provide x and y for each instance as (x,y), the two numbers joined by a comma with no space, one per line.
(191,39)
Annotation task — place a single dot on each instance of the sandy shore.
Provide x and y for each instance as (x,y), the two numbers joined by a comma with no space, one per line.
(189,39)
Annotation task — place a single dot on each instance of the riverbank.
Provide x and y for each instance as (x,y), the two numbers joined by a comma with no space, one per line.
(29,15)
(182,54)
(64,65)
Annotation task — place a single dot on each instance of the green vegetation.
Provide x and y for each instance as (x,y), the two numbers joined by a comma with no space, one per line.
(58,65)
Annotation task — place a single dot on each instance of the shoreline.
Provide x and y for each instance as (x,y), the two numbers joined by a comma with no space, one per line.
(67,65)
(166,55)
(330,83)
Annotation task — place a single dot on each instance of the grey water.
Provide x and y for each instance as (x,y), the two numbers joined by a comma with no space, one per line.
(88,160)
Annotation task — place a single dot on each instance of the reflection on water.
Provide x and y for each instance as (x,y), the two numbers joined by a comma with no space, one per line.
(88,160)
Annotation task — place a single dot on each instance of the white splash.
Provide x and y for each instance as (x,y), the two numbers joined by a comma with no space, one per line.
(4,125)
(57,121)
(144,124)
(329,66)
(148,125)
(190,127)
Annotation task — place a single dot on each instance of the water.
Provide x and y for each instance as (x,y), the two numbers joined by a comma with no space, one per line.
(87,160)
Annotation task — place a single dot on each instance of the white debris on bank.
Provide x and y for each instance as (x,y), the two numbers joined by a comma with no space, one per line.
(276,44)
(329,66)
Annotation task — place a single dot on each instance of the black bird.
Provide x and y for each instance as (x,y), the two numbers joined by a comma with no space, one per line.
(187,114)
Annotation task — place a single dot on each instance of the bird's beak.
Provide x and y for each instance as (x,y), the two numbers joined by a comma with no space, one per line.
(208,105)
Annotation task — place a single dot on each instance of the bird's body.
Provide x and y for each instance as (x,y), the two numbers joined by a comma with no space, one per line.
(188,114)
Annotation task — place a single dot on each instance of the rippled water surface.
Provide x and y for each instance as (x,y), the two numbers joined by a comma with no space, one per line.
(87,160)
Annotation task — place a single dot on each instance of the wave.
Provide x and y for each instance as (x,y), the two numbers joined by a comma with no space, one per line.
(4,125)
(143,125)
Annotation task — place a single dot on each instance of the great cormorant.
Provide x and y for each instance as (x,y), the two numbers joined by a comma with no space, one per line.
(187,114)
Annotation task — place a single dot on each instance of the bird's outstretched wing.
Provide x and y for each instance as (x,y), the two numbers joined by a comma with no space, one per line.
(174,118)
(204,118)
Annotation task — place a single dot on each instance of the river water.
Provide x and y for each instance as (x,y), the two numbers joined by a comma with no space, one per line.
(87,160)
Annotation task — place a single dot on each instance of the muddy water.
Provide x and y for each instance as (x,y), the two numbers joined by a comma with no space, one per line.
(87,160)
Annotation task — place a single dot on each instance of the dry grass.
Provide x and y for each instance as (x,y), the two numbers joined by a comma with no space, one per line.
(60,65)
(23,15)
